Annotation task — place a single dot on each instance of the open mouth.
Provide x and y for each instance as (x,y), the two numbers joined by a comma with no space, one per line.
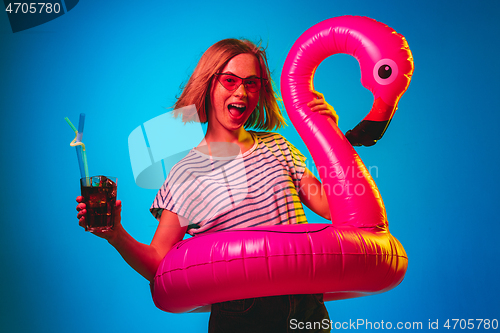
(236,109)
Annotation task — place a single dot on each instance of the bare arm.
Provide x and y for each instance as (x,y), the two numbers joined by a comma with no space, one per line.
(143,258)
(313,195)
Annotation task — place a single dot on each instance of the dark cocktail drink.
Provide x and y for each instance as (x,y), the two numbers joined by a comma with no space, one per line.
(99,196)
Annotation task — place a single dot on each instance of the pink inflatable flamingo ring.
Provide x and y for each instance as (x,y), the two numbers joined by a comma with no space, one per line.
(352,257)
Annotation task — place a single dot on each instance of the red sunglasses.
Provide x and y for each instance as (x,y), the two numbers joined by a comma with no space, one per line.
(231,82)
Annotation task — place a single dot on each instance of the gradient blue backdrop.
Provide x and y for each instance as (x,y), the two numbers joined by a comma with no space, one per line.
(121,64)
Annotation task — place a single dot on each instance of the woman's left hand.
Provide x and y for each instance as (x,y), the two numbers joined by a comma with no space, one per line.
(320,105)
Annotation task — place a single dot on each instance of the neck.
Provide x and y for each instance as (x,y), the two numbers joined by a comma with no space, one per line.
(238,136)
(214,139)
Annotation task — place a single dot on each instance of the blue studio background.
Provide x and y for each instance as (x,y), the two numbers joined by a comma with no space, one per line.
(122,63)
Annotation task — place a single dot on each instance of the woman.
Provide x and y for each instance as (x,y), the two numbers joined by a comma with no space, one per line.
(235,178)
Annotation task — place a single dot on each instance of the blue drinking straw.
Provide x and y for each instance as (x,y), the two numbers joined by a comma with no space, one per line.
(80,146)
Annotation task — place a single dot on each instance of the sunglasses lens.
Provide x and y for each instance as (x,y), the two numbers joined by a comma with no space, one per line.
(252,85)
(230,82)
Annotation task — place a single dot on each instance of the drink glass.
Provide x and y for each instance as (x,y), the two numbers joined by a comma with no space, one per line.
(99,196)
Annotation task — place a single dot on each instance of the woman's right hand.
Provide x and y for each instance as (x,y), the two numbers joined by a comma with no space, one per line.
(109,235)
(145,259)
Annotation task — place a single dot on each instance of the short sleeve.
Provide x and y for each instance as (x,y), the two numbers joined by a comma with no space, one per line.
(295,160)
(174,194)
(299,160)
(163,200)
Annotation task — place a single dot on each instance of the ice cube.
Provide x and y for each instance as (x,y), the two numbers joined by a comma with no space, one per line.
(95,181)
(102,181)
(110,183)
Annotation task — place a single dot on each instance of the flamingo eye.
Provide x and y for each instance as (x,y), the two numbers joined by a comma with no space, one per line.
(385,71)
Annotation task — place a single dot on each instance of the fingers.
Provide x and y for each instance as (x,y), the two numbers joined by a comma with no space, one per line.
(118,207)
(80,207)
(81,217)
(315,106)
(319,105)
(118,212)
(318,95)
(334,116)
(322,107)
(82,211)
(81,222)
(319,100)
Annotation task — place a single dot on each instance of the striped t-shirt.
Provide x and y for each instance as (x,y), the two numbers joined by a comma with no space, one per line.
(258,187)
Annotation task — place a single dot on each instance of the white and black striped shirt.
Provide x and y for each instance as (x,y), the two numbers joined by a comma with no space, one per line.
(258,187)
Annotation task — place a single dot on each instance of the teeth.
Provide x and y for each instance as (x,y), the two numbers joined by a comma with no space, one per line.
(238,107)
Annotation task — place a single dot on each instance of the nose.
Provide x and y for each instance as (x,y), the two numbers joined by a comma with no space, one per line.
(241,91)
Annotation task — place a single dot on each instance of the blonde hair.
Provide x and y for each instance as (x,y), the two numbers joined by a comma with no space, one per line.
(266,116)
